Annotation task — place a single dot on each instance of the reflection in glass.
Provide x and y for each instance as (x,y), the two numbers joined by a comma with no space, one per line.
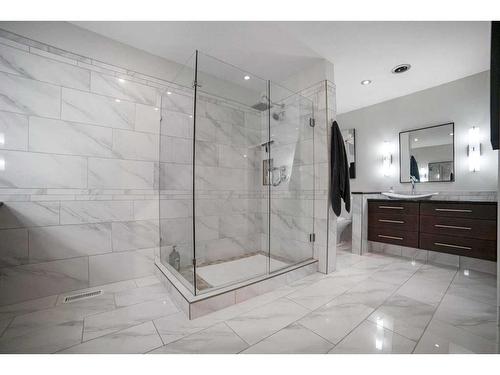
(427,154)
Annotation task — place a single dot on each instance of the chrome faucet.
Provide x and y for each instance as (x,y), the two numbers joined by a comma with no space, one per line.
(413,179)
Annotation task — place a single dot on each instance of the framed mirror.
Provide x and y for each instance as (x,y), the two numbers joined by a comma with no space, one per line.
(427,154)
(349,136)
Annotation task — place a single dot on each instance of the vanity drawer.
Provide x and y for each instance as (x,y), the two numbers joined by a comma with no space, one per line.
(393,221)
(391,207)
(486,211)
(469,247)
(459,227)
(393,236)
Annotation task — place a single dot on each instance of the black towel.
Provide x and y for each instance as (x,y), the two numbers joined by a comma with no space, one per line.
(340,186)
(414,168)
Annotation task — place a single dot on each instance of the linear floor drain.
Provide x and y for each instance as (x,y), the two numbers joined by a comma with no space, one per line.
(76,297)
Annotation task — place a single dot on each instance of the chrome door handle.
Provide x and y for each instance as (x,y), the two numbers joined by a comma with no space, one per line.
(392,207)
(452,210)
(391,221)
(390,237)
(451,227)
(453,246)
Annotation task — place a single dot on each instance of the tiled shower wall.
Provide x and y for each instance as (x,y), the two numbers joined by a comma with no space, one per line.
(95,221)
(227,179)
(292,204)
(322,94)
(78,154)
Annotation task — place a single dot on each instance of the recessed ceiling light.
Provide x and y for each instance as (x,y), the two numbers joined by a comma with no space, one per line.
(246,78)
(398,69)
(156,108)
(451,133)
(366,82)
(121,80)
(416,139)
(117,100)
(169,93)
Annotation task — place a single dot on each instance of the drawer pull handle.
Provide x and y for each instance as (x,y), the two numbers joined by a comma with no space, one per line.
(454,246)
(391,221)
(452,210)
(391,237)
(451,227)
(392,207)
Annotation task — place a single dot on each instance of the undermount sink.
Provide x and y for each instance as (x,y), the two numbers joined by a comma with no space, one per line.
(409,196)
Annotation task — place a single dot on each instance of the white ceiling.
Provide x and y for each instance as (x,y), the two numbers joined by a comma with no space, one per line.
(439,52)
(434,136)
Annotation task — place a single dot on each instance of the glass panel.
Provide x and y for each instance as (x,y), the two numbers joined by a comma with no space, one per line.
(292,178)
(176,176)
(231,204)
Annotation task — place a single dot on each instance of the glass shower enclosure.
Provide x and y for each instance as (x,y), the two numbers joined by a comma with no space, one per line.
(236,176)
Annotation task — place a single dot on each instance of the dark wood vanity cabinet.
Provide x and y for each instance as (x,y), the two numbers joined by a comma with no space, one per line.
(393,222)
(460,228)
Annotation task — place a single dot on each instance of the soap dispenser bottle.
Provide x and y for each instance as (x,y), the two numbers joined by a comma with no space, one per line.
(174,259)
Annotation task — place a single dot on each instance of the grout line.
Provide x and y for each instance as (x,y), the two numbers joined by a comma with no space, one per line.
(245,341)
(158,332)
(8,325)
(376,308)
(435,310)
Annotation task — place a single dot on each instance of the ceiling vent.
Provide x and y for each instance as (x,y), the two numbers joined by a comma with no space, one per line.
(401,68)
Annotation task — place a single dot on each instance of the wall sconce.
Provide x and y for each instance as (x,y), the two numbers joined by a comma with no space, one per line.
(386,159)
(474,150)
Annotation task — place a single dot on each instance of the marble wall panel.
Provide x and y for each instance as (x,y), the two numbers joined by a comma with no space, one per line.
(62,137)
(147,118)
(13,131)
(119,266)
(68,241)
(31,281)
(121,88)
(79,212)
(13,247)
(42,69)
(133,235)
(93,109)
(34,170)
(120,174)
(135,145)
(22,95)
(29,214)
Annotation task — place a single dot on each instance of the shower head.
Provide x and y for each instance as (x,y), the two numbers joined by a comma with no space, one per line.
(262,106)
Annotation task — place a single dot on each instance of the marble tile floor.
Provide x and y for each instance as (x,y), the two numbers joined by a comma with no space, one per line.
(371,304)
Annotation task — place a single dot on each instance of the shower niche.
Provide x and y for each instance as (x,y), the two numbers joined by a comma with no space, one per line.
(236,186)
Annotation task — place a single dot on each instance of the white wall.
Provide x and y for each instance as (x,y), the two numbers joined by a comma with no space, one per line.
(464,102)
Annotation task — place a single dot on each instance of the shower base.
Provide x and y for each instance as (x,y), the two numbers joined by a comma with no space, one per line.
(222,273)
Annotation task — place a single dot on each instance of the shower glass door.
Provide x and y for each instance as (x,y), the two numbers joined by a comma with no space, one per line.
(175,177)
(231,133)
(292,178)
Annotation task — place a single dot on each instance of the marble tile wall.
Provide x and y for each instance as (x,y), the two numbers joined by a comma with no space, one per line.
(79,145)
(292,204)
(322,95)
(227,178)
(117,140)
